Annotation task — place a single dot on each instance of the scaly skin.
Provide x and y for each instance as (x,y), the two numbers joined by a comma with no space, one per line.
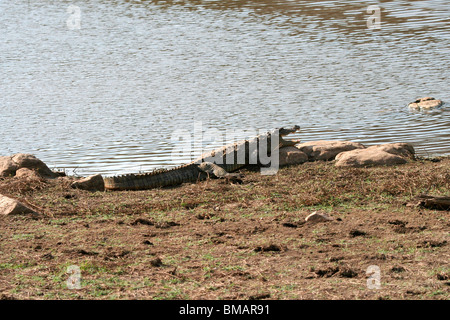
(201,168)
(156,179)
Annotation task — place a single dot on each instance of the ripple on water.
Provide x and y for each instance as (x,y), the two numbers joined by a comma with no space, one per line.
(110,97)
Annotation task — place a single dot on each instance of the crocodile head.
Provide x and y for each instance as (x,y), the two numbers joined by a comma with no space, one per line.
(286,131)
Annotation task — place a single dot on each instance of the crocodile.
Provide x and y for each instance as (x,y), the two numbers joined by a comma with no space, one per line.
(219,163)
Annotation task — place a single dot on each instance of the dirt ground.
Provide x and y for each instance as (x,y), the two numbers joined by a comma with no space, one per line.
(215,240)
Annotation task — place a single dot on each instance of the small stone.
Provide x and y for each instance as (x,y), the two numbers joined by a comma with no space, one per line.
(318,217)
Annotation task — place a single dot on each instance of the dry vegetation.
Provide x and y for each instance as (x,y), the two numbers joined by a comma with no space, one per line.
(214,240)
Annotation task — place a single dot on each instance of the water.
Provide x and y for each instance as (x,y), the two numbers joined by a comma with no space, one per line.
(108,97)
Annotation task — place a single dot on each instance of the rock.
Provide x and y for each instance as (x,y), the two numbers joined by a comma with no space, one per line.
(7,167)
(318,217)
(25,173)
(291,155)
(399,149)
(31,162)
(368,157)
(384,154)
(10,164)
(327,150)
(91,183)
(10,206)
(425,103)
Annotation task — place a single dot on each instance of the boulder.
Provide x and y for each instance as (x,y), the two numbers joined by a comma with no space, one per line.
(425,103)
(91,183)
(10,164)
(291,155)
(399,149)
(378,155)
(368,157)
(327,150)
(318,217)
(10,206)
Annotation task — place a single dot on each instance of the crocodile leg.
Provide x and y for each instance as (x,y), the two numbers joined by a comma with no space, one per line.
(215,171)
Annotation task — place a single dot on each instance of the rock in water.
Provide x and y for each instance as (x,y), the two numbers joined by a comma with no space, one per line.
(425,103)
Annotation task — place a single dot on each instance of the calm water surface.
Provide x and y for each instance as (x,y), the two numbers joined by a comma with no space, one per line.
(108,97)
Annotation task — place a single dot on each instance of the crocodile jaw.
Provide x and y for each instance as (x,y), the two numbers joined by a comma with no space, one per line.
(286,131)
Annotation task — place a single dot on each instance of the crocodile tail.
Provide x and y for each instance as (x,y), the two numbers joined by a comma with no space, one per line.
(155,179)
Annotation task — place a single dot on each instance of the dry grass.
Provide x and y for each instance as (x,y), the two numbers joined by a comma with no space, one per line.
(213,240)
